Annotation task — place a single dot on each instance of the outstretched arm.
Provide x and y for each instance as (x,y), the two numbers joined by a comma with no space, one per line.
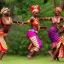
(26,22)
(46,18)
(43,27)
(17,22)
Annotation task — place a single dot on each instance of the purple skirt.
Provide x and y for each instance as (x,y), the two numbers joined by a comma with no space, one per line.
(53,35)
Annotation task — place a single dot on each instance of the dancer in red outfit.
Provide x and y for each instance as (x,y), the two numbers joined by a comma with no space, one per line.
(6,22)
(3,45)
(36,43)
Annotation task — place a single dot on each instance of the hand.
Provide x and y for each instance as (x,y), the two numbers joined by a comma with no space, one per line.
(22,23)
(45,27)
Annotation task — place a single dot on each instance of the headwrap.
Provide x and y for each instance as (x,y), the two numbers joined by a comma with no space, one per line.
(4,10)
(58,9)
(35,8)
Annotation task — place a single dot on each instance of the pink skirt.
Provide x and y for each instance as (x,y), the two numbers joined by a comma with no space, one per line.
(35,44)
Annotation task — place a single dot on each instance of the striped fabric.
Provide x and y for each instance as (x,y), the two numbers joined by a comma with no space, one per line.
(3,46)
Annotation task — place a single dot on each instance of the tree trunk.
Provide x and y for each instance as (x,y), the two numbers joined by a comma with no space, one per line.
(54,3)
(57,3)
(62,5)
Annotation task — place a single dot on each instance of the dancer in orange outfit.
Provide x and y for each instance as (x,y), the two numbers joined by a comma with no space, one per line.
(60,45)
(36,43)
(6,21)
(3,45)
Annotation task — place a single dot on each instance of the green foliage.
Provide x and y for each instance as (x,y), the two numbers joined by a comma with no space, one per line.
(45,1)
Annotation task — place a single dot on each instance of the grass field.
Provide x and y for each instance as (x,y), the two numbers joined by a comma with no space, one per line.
(24,60)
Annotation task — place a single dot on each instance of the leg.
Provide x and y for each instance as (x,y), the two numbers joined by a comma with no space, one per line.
(30,54)
(51,52)
(56,53)
(1,55)
(34,47)
(57,58)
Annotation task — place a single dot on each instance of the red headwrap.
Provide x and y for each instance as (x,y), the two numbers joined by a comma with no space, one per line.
(35,8)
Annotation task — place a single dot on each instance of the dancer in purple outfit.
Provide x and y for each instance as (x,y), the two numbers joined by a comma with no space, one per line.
(53,31)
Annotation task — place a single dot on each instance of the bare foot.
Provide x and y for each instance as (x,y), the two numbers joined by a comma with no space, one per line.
(0,60)
(30,57)
(52,59)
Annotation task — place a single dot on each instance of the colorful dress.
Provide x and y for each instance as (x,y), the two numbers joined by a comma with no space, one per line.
(3,45)
(61,47)
(6,23)
(53,32)
(35,44)
(54,36)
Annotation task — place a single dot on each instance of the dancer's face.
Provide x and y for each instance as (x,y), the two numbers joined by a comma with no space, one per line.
(8,13)
(56,12)
(35,13)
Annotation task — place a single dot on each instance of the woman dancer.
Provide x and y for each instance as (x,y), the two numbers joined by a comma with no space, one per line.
(53,31)
(35,44)
(6,22)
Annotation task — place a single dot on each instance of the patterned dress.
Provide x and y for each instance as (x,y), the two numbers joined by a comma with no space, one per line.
(53,32)
(57,41)
(35,44)
(6,23)
(3,45)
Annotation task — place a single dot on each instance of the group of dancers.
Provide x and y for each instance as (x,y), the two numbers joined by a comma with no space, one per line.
(57,49)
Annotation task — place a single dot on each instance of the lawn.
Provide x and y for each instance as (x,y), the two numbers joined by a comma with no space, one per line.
(9,59)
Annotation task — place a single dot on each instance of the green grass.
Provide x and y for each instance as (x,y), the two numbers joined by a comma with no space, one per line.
(9,59)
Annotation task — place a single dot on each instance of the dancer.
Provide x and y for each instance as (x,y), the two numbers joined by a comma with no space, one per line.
(53,31)
(6,22)
(35,44)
